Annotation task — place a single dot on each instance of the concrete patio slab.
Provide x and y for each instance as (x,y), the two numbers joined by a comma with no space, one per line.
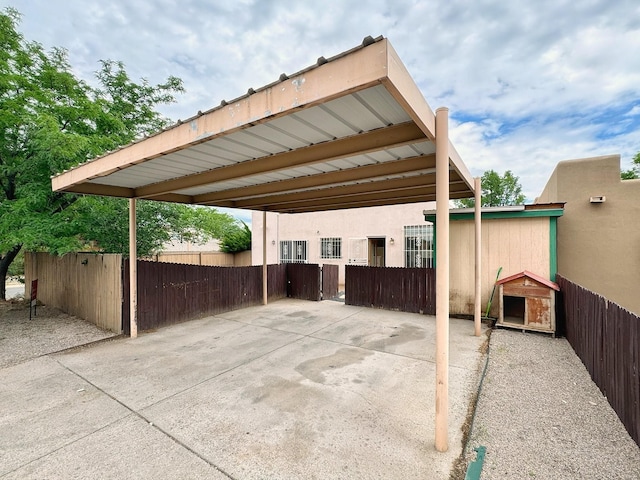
(403,333)
(44,407)
(129,448)
(309,317)
(143,371)
(317,409)
(291,390)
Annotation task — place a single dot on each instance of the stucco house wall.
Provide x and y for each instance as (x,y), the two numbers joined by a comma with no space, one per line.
(598,243)
(386,223)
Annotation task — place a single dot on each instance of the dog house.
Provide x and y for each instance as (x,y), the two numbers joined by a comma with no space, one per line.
(527,301)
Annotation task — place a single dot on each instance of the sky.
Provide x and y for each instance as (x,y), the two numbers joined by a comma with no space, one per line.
(527,83)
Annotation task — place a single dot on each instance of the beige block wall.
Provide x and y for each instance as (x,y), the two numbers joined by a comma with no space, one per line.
(380,222)
(598,244)
(515,244)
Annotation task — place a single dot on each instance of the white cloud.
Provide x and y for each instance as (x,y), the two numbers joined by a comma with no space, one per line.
(634,111)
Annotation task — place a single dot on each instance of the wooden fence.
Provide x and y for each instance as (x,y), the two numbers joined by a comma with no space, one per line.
(330,279)
(404,289)
(303,281)
(87,285)
(170,293)
(96,287)
(606,337)
(241,259)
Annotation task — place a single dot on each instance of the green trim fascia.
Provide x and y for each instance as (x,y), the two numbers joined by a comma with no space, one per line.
(553,248)
(435,247)
(556,212)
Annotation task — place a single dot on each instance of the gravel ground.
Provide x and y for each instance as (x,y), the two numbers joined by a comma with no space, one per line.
(49,331)
(541,416)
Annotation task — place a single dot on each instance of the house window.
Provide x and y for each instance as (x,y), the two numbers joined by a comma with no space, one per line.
(418,246)
(293,251)
(331,247)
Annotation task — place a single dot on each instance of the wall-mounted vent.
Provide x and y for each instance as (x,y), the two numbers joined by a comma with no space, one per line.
(598,199)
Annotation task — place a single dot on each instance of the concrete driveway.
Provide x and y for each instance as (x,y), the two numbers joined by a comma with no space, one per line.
(14,289)
(296,389)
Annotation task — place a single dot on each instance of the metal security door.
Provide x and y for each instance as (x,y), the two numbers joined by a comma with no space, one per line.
(358,251)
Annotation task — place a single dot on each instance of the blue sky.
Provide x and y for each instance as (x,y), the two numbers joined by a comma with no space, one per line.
(527,83)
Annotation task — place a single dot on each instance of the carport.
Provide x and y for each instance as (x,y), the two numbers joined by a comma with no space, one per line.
(350,131)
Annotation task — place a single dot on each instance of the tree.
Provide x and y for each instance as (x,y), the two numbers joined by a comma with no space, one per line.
(497,191)
(203,223)
(633,172)
(237,239)
(50,121)
(104,223)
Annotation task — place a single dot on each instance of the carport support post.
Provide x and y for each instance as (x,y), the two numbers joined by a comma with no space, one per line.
(442,279)
(477,320)
(264,257)
(133,271)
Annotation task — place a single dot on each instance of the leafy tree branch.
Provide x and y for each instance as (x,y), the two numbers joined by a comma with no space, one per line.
(50,121)
(497,190)
(634,171)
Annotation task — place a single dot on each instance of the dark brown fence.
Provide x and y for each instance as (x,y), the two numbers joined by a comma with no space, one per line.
(303,281)
(276,281)
(330,281)
(404,289)
(606,337)
(170,293)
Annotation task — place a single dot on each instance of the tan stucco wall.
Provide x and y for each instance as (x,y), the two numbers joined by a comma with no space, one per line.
(382,222)
(515,244)
(598,244)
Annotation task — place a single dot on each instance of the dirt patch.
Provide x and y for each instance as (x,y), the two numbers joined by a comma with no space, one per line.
(49,331)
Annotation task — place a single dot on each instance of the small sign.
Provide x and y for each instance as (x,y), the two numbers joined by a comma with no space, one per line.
(34,292)
(34,298)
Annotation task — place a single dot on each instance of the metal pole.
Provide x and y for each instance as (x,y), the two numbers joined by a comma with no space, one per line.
(477,319)
(264,258)
(133,270)
(442,280)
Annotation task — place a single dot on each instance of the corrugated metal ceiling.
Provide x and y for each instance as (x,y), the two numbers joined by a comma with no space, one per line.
(361,143)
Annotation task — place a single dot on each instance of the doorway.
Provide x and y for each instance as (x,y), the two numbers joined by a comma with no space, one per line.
(377,252)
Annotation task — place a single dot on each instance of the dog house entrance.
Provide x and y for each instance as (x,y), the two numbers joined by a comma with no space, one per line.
(514,308)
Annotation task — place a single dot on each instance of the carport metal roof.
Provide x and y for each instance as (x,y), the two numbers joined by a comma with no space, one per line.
(350,131)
